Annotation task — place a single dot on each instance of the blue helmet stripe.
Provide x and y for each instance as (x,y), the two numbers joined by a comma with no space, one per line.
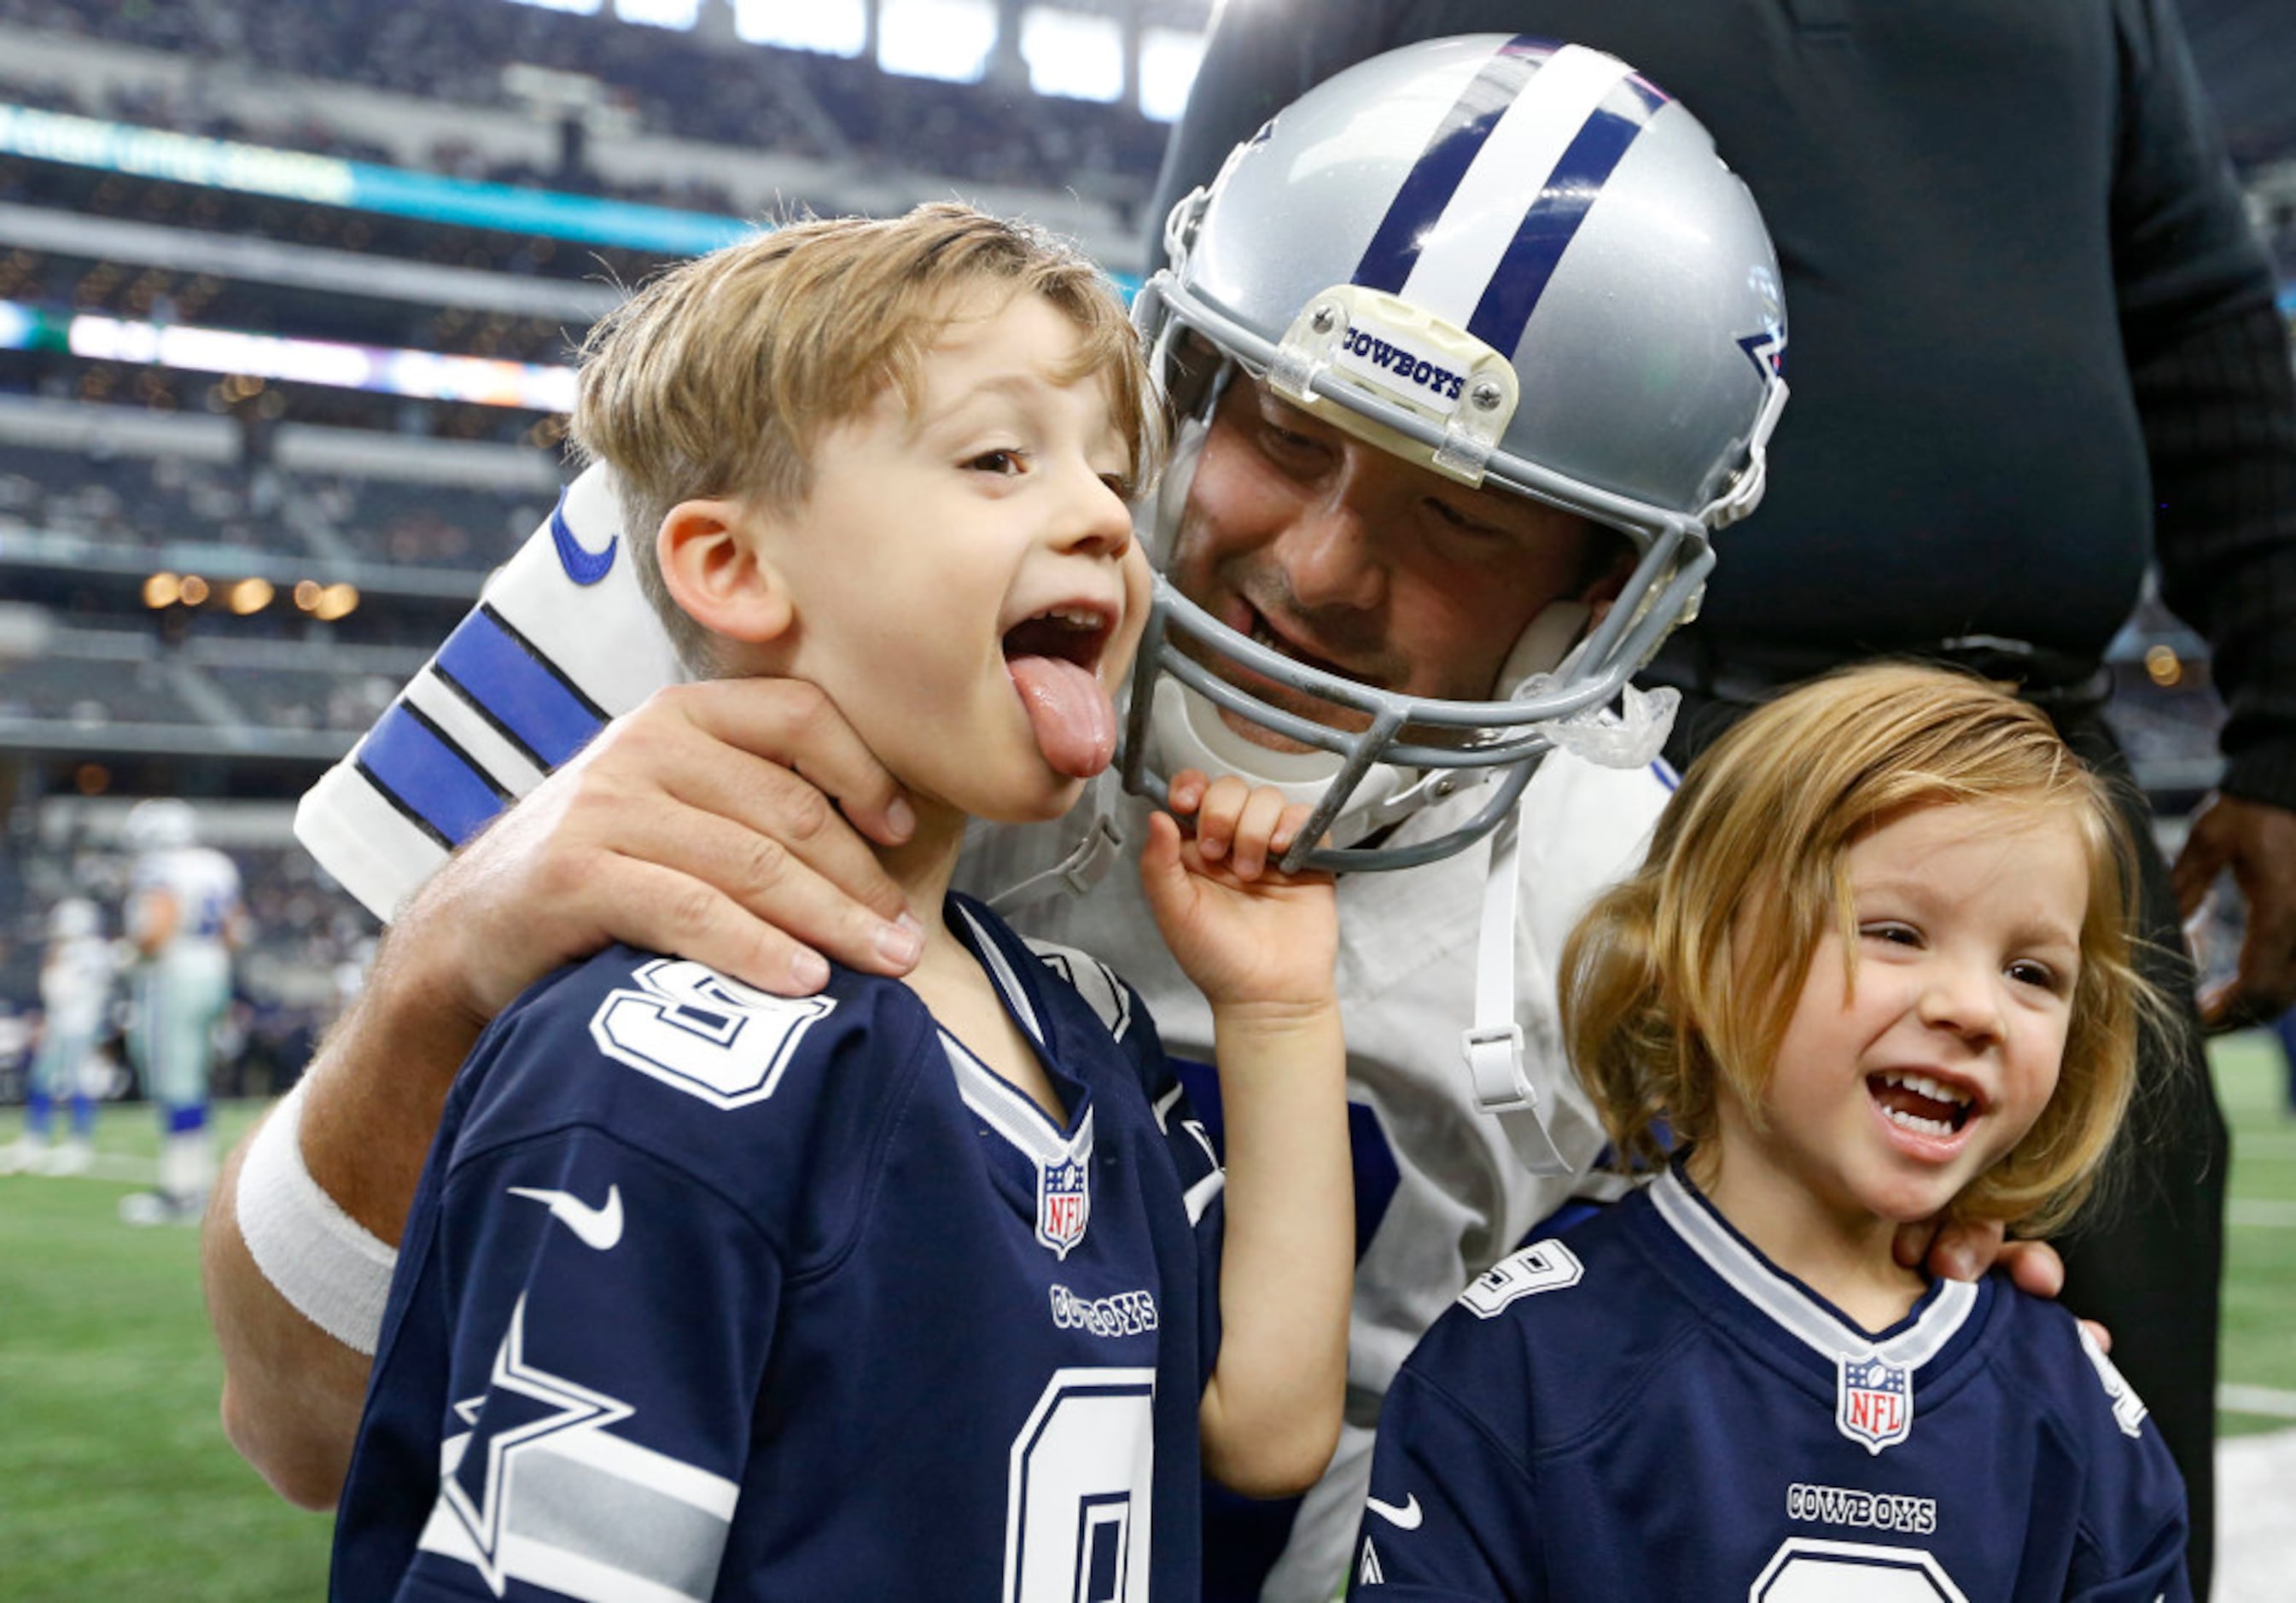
(413,765)
(498,672)
(1434,178)
(1548,227)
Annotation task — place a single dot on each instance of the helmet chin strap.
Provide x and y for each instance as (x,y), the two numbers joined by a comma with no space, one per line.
(1493,1044)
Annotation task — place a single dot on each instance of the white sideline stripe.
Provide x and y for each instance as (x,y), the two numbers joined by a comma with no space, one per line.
(2256,1517)
(2266,1401)
(2263,1215)
(111,1166)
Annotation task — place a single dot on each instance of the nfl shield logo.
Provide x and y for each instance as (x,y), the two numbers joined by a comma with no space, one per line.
(1063,1204)
(1874,1402)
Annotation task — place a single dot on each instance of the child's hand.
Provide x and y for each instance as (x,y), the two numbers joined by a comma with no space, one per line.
(1244,931)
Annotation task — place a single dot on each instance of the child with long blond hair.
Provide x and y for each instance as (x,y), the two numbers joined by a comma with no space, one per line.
(1875,970)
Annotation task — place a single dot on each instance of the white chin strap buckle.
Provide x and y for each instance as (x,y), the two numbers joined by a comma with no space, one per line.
(1493,1044)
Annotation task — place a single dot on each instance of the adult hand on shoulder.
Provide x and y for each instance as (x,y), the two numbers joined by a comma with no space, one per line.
(2257,841)
(1965,1249)
(723,821)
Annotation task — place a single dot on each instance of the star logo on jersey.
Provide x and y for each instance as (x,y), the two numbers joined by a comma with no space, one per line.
(583,565)
(522,1406)
(1873,1401)
(1063,1202)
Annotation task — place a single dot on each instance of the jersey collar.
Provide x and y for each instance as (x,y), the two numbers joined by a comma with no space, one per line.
(1941,1314)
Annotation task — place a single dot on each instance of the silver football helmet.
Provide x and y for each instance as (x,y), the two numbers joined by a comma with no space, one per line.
(1518,264)
(160,824)
(74,918)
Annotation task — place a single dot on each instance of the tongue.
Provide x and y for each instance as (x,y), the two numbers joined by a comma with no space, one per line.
(1074,719)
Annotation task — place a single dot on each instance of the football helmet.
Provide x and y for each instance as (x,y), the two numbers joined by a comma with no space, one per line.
(1518,264)
(161,824)
(74,918)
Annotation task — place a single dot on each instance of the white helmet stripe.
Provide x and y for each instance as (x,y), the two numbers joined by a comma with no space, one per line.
(1434,176)
(1459,217)
(1552,223)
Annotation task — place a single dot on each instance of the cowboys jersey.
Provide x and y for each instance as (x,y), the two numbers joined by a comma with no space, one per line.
(1646,1407)
(1440,1195)
(564,639)
(712,1293)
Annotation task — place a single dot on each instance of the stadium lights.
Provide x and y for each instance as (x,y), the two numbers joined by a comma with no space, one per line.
(244,596)
(326,603)
(249,358)
(945,39)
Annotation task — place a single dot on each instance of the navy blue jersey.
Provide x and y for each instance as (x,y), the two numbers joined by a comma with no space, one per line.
(1645,1407)
(710,1294)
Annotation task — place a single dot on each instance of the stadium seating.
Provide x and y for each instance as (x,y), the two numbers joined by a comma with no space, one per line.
(115,466)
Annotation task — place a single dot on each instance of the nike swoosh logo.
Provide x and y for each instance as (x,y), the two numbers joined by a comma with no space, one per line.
(584,567)
(1404,1518)
(600,1228)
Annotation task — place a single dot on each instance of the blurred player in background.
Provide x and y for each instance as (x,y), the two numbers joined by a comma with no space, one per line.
(184,919)
(74,987)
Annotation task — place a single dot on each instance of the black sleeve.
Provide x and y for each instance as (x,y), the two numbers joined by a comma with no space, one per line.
(1259,56)
(2210,361)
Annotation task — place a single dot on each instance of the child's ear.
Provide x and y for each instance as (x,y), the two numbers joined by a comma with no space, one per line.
(714,566)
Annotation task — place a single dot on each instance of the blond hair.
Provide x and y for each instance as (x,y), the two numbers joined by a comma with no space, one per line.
(719,376)
(1681,981)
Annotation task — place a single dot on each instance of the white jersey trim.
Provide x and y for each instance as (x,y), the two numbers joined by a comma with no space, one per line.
(1791,1306)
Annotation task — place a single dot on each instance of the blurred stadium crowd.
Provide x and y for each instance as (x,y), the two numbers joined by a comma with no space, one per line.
(244,488)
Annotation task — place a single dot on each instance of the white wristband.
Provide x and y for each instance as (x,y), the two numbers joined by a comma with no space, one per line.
(336,1272)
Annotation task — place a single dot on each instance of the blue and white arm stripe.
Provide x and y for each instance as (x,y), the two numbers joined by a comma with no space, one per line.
(561,640)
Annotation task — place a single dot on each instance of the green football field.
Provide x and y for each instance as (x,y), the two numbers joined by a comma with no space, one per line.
(115,1483)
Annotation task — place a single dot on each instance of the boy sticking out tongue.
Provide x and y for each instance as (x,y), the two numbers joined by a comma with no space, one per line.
(933,1276)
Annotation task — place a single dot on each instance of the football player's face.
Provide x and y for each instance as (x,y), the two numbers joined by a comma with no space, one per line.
(1350,559)
(1918,1057)
(949,554)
